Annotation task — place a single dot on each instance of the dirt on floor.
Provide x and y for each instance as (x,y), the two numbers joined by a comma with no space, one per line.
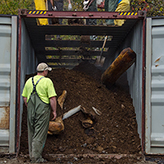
(113,132)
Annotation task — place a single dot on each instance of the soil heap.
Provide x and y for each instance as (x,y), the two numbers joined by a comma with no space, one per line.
(115,130)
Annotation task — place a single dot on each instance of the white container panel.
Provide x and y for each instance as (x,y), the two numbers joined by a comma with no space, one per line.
(154,122)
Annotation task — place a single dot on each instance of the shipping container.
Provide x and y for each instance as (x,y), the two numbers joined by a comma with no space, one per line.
(24,44)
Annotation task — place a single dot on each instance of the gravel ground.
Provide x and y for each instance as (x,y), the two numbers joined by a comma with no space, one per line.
(22,159)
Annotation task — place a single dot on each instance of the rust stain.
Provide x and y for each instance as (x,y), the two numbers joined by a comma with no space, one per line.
(158,59)
(4,121)
(156,65)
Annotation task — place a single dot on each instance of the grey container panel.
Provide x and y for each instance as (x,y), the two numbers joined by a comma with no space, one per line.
(134,73)
(28,62)
(8,40)
(155,86)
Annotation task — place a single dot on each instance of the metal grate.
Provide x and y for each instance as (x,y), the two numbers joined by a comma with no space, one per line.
(38,37)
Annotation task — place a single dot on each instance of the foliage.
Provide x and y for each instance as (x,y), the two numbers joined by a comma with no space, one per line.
(152,7)
(11,7)
(77,5)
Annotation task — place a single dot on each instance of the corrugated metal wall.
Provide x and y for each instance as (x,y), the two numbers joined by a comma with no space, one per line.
(8,53)
(134,73)
(155,86)
(28,62)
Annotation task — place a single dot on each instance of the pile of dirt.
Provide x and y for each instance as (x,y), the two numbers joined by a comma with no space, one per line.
(115,130)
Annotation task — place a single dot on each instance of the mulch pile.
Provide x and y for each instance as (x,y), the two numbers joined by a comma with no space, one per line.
(115,130)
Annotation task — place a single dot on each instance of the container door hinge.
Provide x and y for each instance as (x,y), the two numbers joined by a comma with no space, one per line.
(141,13)
(23,12)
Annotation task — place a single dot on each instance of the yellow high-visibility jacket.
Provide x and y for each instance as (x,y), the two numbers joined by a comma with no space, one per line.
(124,5)
(41,5)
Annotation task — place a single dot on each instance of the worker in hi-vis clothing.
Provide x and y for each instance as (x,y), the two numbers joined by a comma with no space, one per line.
(116,6)
(39,96)
(41,5)
(57,5)
(50,5)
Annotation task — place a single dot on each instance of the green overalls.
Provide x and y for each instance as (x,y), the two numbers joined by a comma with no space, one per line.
(38,114)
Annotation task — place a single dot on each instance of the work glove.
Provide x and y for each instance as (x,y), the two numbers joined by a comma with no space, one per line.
(54,8)
(85,3)
(69,7)
(98,2)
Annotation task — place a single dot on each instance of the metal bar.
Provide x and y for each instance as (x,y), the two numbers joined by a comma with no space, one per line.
(148,84)
(13,84)
(60,65)
(69,52)
(143,86)
(18,87)
(68,43)
(81,14)
(61,60)
(79,30)
(63,66)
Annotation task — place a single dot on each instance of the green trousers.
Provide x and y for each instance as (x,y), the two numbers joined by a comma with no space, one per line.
(110,5)
(38,115)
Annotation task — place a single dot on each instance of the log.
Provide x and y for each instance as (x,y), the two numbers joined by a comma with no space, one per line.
(126,58)
(88,123)
(62,98)
(56,127)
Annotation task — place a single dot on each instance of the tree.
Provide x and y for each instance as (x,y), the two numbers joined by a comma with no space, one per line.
(11,7)
(152,7)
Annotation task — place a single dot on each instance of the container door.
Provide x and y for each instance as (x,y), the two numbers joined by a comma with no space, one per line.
(8,51)
(154,118)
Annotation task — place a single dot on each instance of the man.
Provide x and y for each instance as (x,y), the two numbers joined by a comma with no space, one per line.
(90,5)
(123,6)
(41,5)
(57,5)
(116,6)
(39,95)
(50,5)
(110,5)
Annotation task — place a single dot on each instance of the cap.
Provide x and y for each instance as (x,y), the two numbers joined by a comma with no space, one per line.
(43,67)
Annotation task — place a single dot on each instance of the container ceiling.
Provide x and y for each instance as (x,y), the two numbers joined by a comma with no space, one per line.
(38,34)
